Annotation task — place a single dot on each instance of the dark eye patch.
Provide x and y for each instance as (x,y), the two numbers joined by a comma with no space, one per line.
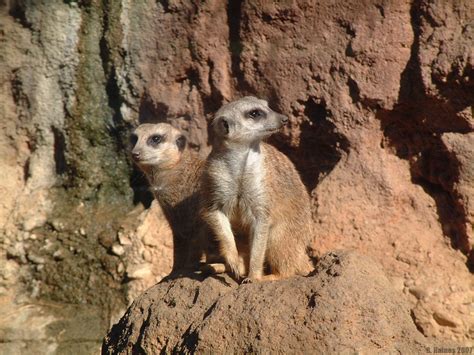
(154,140)
(181,143)
(133,139)
(256,114)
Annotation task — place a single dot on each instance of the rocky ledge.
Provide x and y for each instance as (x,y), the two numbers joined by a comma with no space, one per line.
(346,305)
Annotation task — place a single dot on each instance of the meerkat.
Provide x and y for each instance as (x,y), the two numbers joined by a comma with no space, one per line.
(174,173)
(253,198)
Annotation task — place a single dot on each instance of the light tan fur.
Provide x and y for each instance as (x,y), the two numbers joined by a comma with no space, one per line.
(174,174)
(253,198)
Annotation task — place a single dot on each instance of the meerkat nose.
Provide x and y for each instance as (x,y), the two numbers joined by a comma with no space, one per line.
(284,119)
(136,156)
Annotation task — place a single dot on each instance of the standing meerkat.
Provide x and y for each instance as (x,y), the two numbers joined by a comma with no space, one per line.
(253,198)
(174,174)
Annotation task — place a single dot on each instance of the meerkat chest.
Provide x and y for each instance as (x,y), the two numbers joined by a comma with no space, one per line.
(251,182)
(243,188)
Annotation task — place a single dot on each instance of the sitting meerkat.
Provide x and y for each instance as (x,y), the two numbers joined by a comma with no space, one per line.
(253,198)
(174,174)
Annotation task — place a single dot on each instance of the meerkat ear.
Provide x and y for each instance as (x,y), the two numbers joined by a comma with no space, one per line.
(181,143)
(221,126)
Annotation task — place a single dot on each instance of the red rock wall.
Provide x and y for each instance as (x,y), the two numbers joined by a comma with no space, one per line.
(379,95)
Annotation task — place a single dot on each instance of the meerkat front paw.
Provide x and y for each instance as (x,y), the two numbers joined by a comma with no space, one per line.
(252,279)
(236,267)
(213,268)
(271,277)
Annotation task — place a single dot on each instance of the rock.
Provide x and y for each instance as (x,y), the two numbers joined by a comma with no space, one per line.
(33,207)
(151,244)
(17,251)
(398,283)
(154,231)
(46,328)
(36,259)
(9,272)
(445,319)
(147,255)
(59,254)
(139,271)
(461,145)
(123,239)
(120,268)
(348,305)
(57,225)
(106,239)
(418,292)
(118,249)
(150,240)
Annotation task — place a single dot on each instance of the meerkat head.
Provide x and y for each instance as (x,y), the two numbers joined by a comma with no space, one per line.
(246,120)
(157,145)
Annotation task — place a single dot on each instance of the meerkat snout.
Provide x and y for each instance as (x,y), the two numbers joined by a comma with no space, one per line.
(136,156)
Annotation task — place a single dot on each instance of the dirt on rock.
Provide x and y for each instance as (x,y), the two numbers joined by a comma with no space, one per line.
(346,305)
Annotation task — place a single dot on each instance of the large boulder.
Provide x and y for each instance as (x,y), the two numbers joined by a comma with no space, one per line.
(346,305)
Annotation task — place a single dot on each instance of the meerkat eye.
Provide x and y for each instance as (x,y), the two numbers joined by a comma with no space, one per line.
(154,140)
(255,114)
(133,139)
